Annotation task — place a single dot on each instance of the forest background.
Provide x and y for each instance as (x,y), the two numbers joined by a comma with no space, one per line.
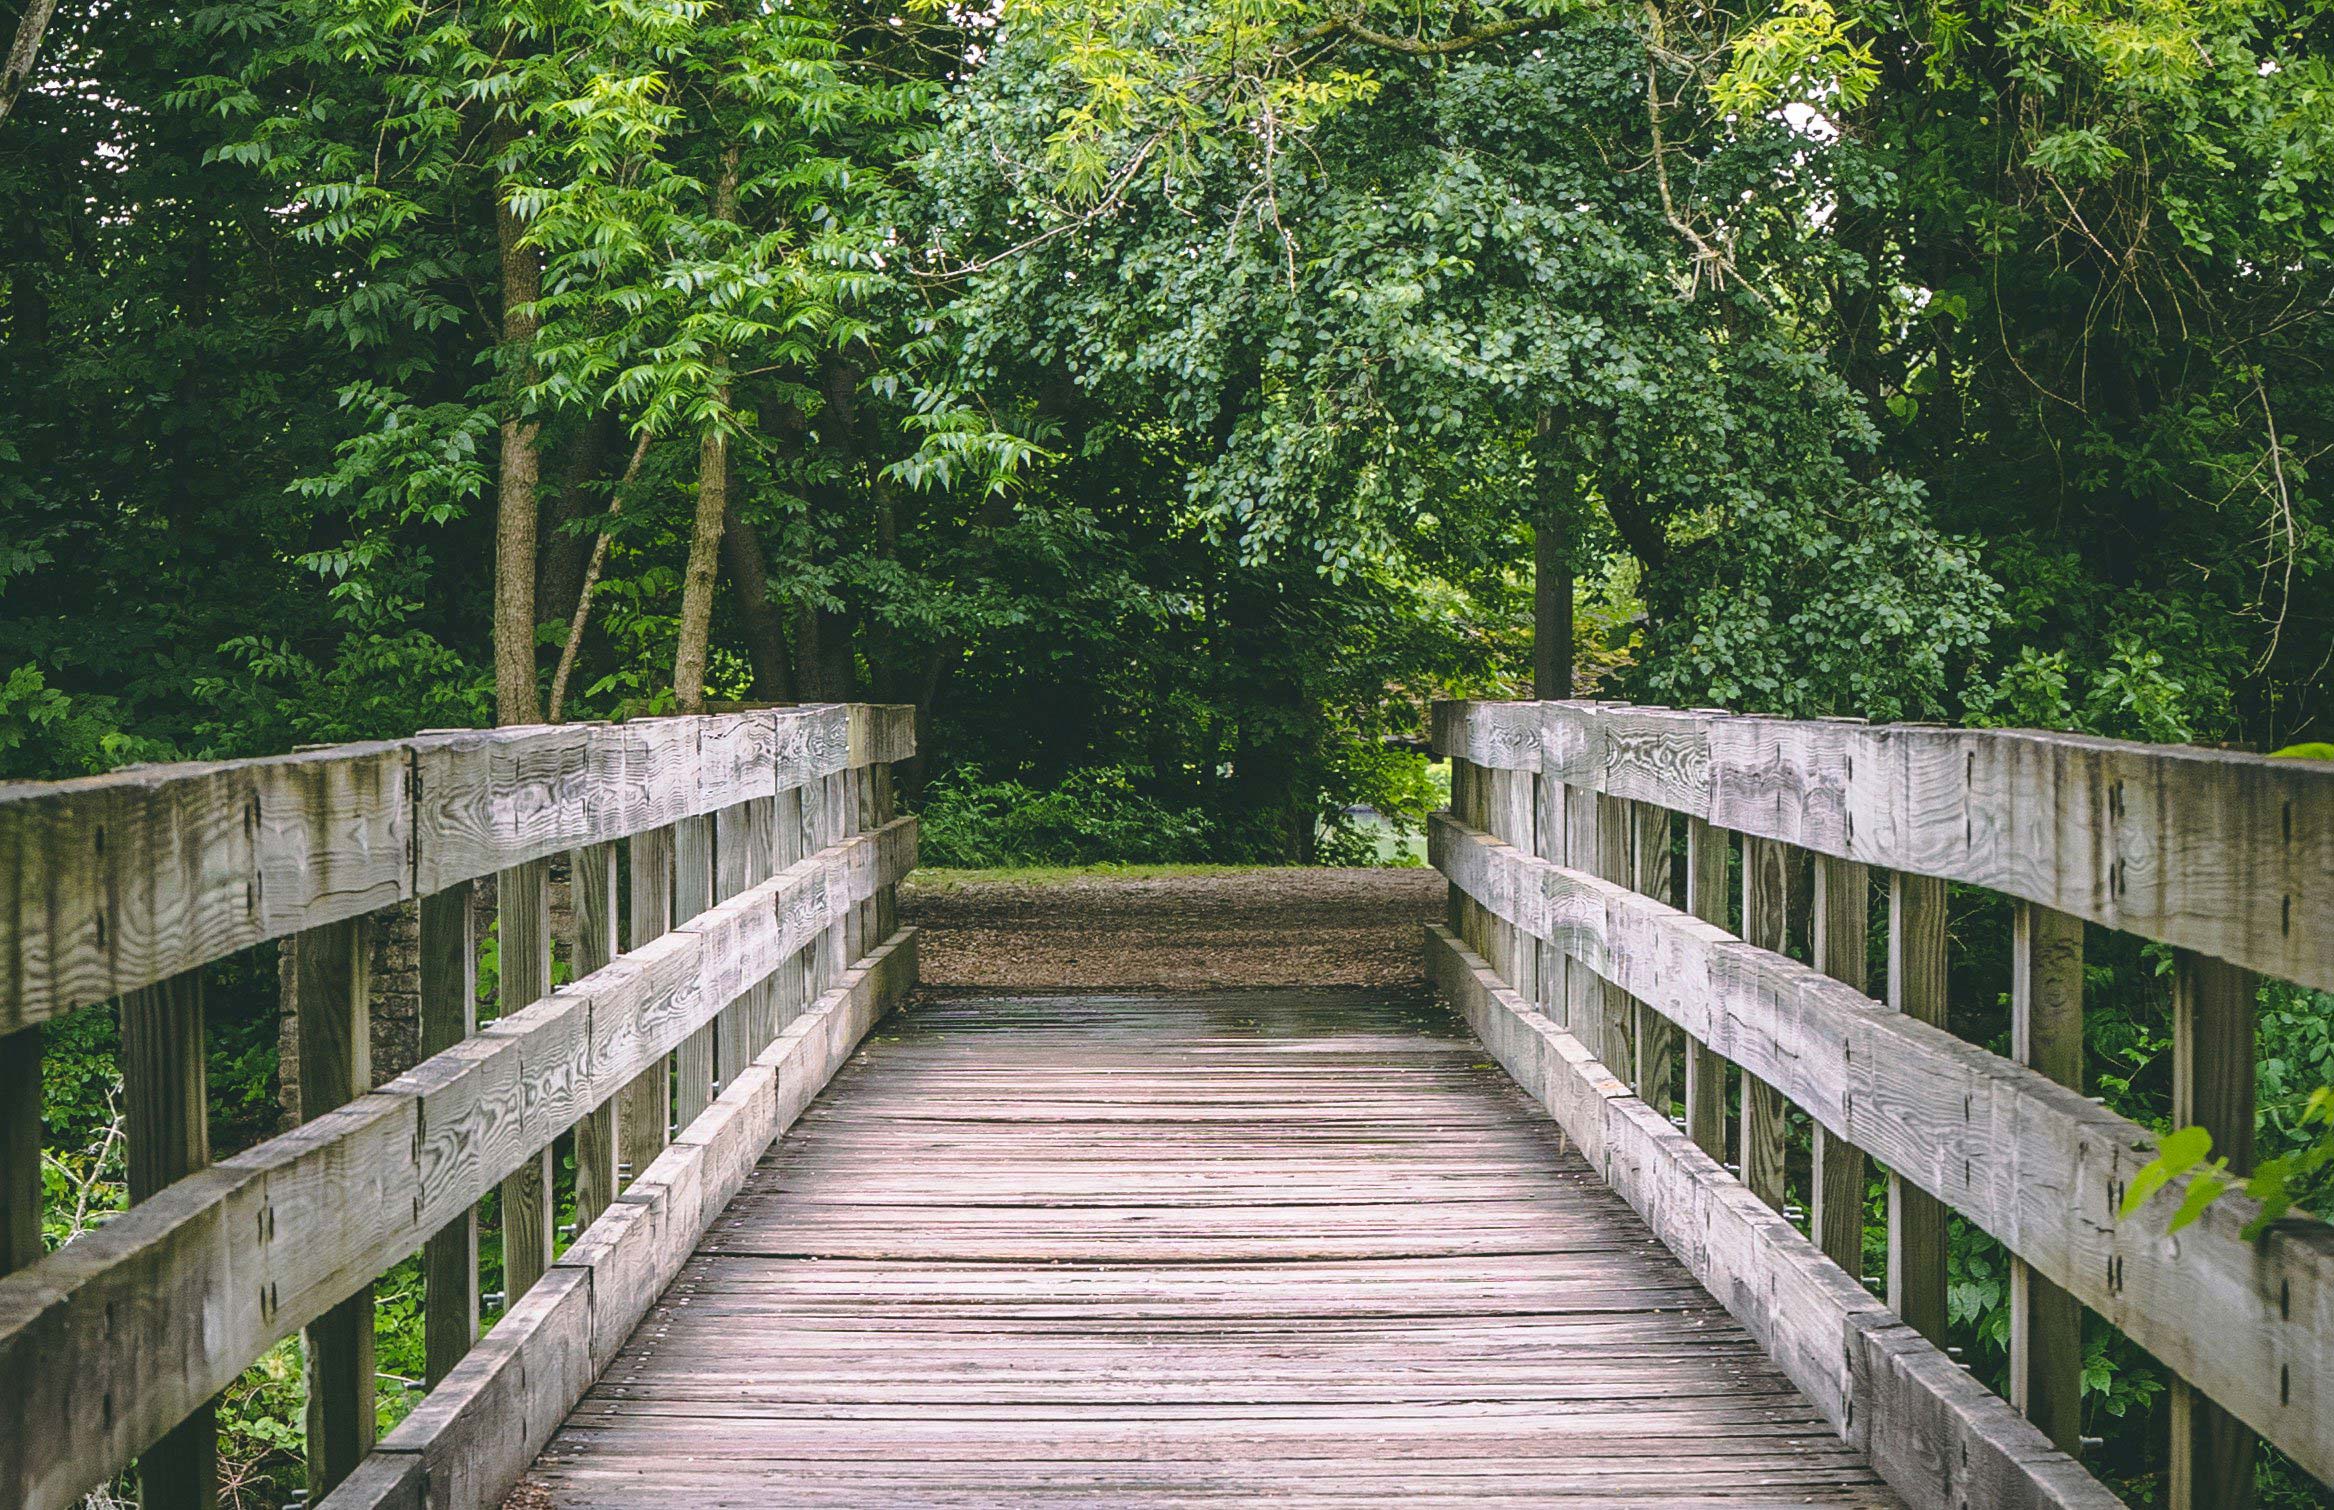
(1168,398)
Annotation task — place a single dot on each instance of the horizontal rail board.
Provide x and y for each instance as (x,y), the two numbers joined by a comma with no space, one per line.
(162,1307)
(113,883)
(1939,1437)
(2225,853)
(472,1439)
(2038,1166)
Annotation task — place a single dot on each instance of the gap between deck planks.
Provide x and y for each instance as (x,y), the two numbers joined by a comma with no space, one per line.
(1306,1246)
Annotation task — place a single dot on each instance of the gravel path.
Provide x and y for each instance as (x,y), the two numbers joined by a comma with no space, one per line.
(1176,933)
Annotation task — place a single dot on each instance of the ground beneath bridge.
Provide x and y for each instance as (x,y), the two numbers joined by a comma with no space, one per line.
(1291,1247)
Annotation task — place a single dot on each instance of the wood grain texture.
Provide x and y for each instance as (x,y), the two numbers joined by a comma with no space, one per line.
(645,1109)
(1916,1217)
(2213,1005)
(165,1100)
(523,920)
(164,1306)
(336,1068)
(1657,1038)
(449,1015)
(592,872)
(1140,1251)
(694,891)
(1938,1437)
(2046,1035)
(468,1442)
(1843,910)
(1766,924)
(2033,1163)
(1707,851)
(2224,853)
(111,883)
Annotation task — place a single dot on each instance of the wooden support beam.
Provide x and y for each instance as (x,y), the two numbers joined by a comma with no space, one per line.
(693,1065)
(1842,907)
(336,1066)
(644,1118)
(592,886)
(2046,1034)
(1657,1037)
(1766,924)
(165,1102)
(449,1014)
(2213,1006)
(1706,855)
(1916,987)
(20,1149)
(523,955)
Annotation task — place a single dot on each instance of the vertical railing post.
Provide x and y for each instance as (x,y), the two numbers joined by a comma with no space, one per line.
(1553,972)
(1507,816)
(592,872)
(1584,992)
(1458,907)
(166,1105)
(1706,857)
(644,1117)
(20,1149)
(2046,1034)
(1842,907)
(1766,924)
(1916,987)
(523,960)
(884,800)
(733,1025)
(449,1014)
(1616,823)
(2213,1006)
(1657,1036)
(336,1066)
(693,1065)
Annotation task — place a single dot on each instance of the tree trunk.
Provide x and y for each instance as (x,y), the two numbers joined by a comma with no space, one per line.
(562,552)
(24,52)
(514,532)
(745,565)
(697,581)
(1551,568)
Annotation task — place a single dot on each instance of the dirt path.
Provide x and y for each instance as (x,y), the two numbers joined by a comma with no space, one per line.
(1176,933)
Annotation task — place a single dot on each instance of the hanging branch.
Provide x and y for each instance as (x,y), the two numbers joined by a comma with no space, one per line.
(583,601)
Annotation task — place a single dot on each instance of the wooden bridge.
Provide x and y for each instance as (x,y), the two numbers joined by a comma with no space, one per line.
(1313,1246)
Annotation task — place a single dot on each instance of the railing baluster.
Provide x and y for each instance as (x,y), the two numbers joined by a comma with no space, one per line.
(20,1149)
(1706,856)
(692,893)
(1657,1036)
(733,1046)
(2212,1087)
(523,959)
(329,993)
(1766,923)
(165,1096)
(2046,1033)
(1617,1046)
(1584,994)
(644,1115)
(1548,843)
(449,1014)
(1916,986)
(1842,907)
(592,872)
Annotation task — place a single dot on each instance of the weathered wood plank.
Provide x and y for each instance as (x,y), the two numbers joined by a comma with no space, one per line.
(1843,910)
(336,1067)
(593,887)
(20,1149)
(165,1305)
(1765,925)
(523,919)
(694,1066)
(1657,1037)
(449,1015)
(1917,988)
(2031,1162)
(2046,1035)
(165,1095)
(644,1111)
(2224,853)
(1939,1438)
(471,1440)
(1706,892)
(2213,1006)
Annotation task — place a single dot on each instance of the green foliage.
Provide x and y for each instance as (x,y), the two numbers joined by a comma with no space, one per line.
(1089,817)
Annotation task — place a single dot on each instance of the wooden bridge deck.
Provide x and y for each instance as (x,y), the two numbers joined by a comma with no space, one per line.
(1304,1246)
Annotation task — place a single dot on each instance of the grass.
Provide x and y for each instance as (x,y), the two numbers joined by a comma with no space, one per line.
(941,878)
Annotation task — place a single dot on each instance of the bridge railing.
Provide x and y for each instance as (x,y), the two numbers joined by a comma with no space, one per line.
(1582,949)
(749,859)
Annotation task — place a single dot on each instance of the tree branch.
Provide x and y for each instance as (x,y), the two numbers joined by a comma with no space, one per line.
(23,52)
(1426,47)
